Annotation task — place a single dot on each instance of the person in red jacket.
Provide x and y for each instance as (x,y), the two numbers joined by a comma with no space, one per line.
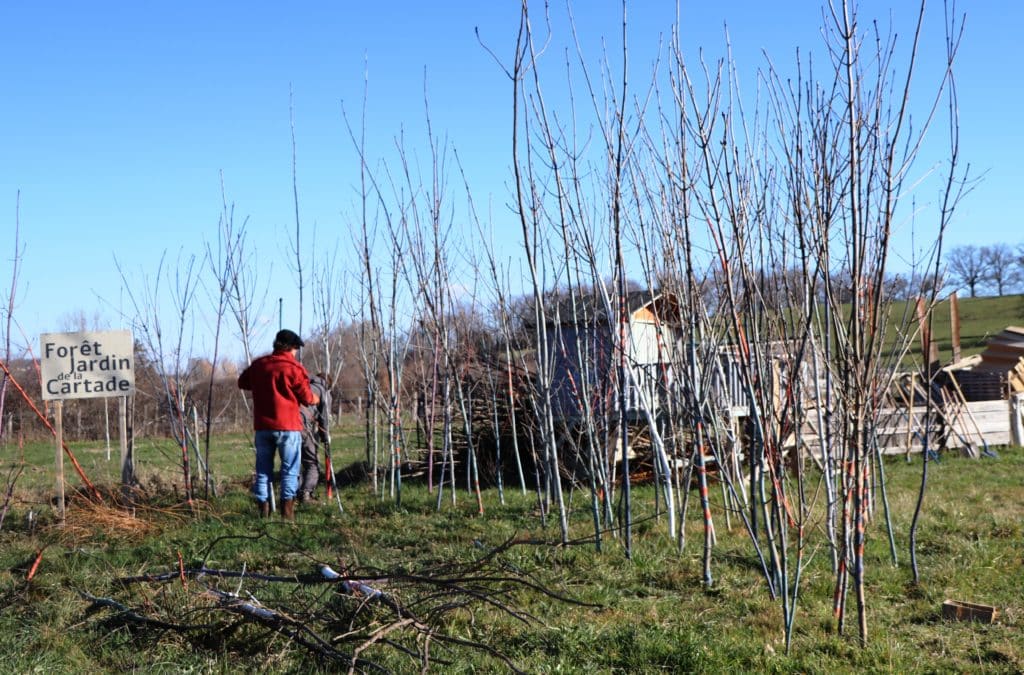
(279,386)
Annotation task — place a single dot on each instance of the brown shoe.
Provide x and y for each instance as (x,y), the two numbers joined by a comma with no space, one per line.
(264,509)
(288,509)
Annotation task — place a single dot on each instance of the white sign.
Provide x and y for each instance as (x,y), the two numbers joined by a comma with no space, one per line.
(87,365)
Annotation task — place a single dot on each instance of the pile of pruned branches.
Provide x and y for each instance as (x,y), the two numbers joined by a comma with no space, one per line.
(347,618)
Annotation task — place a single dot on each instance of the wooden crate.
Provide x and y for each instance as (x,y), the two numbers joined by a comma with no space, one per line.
(988,421)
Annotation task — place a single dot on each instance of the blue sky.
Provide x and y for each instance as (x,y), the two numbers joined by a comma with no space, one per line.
(119,120)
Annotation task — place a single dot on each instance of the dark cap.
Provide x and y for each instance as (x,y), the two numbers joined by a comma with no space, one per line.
(287,339)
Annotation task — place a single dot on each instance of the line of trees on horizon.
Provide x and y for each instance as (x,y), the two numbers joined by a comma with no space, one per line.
(993,269)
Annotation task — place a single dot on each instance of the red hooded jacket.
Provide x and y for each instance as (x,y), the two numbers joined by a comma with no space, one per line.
(279,385)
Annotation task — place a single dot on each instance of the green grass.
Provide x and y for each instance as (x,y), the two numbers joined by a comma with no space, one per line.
(650,614)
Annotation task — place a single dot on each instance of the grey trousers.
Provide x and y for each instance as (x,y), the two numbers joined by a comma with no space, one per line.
(309,474)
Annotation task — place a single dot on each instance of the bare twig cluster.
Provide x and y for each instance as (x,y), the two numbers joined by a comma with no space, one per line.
(345,619)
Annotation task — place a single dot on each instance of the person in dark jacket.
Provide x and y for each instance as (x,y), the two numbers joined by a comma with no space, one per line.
(315,424)
(279,386)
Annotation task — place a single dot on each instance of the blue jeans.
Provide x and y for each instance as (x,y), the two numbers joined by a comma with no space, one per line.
(287,444)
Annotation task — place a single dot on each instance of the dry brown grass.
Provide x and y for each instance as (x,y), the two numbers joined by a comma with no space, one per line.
(118,520)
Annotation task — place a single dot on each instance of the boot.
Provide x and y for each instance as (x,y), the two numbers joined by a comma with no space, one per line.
(264,508)
(288,509)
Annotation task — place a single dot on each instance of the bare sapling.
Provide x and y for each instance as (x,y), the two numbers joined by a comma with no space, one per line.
(300,279)
(957,183)
(218,265)
(173,357)
(8,316)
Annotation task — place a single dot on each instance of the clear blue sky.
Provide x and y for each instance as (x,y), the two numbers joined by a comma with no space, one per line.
(119,119)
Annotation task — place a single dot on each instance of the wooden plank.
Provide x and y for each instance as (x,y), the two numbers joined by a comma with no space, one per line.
(958,610)
(962,364)
(901,450)
(928,346)
(992,418)
(954,325)
(899,429)
(997,406)
(1001,350)
(1010,333)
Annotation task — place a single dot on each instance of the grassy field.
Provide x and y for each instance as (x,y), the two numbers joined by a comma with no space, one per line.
(489,591)
(544,607)
(980,319)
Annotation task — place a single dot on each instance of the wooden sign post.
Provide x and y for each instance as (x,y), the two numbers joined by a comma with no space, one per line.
(58,411)
(127,459)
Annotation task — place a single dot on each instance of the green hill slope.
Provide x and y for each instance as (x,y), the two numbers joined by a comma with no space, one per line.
(980,319)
